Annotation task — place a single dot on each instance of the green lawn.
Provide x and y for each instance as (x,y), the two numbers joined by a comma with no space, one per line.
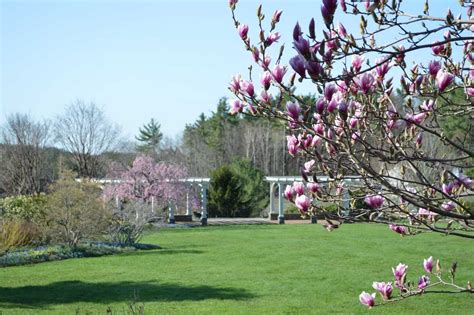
(241,269)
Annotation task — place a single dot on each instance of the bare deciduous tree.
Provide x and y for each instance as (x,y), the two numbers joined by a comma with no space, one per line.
(84,131)
(23,154)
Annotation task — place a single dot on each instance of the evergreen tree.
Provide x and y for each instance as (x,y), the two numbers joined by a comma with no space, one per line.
(150,137)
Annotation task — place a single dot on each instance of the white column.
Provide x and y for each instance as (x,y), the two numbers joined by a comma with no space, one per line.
(171,213)
(152,204)
(188,208)
(272,199)
(203,203)
(345,201)
(281,214)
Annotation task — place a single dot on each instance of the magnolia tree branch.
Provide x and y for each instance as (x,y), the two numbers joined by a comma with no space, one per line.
(400,144)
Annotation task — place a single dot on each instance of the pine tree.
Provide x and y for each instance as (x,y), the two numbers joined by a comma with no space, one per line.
(150,137)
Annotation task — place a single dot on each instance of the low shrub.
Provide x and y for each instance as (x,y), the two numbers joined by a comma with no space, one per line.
(127,223)
(18,233)
(23,207)
(61,252)
(74,212)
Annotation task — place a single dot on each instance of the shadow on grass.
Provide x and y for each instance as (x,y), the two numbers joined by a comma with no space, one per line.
(163,251)
(65,292)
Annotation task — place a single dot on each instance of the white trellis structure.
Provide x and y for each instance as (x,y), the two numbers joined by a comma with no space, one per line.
(201,182)
(281,181)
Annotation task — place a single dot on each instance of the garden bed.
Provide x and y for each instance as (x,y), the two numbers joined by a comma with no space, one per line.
(60,252)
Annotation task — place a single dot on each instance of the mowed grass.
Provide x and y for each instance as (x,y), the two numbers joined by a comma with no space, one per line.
(266,269)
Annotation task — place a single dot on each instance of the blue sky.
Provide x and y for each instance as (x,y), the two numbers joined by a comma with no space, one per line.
(170,60)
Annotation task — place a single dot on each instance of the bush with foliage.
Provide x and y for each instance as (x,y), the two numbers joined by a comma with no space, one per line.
(61,252)
(18,233)
(23,207)
(74,212)
(226,196)
(127,223)
(254,188)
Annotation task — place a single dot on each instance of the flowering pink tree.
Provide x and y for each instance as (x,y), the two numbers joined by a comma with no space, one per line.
(147,179)
(411,171)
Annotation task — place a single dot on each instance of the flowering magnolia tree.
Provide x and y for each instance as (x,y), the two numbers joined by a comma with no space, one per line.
(147,179)
(411,166)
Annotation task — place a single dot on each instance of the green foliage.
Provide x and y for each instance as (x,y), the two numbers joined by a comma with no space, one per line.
(127,224)
(226,195)
(18,233)
(75,212)
(457,127)
(254,188)
(60,252)
(150,137)
(470,172)
(292,209)
(24,207)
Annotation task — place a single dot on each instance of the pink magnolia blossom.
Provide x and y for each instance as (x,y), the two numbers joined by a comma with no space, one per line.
(315,69)
(385,289)
(374,201)
(247,87)
(416,119)
(428,264)
(357,62)
(443,79)
(329,91)
(292,144)
(448,188)
(236,107)
(427,105)
(320,105)
(298,188)
(463,179)
(316,141)
(308,166)
(332,105)
(470,91)
(437,48)
(302,202)
(425,213)
(448,206)
(289,192)
(313,187)
(293,110)
(278,73)
(365,82)
(399,273)
(243,31)
(264,96)
(423,282)
(298,64)
(367,299)
(398,229)
(272,38)
(433,67)
(327,10)
(265,80)
(276,16)
(382,68)
(302,46)
(235,84)
(341,30)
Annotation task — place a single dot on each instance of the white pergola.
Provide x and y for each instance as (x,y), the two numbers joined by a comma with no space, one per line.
(280,181)
(201,182)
